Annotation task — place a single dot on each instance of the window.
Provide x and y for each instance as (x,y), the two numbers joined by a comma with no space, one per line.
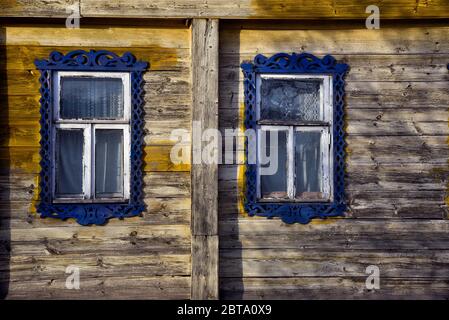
(295,105)
(297,110)
(91,136)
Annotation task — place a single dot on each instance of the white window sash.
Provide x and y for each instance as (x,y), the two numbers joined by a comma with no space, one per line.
(126,156)
(326,141)
(326,158)
(86,160)
(89,126)
(259,153)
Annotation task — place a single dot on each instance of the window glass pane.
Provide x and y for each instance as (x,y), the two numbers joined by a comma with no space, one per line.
(308,165)
(273,173)
(108,163)
(85,97)
(290,100)
(69,162)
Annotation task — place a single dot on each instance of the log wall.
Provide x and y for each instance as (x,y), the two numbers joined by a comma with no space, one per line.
(397,115)
(142,257)
(397,95)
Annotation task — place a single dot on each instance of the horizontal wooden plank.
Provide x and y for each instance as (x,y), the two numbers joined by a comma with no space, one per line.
(366,205)
(363,67)
(393,39)
(38,8)
(333,288)
(239,9)
(397,149)
(163,210)
(88,36)
(46,267)
(167,184)
(301,9)
(335,234)
(21,57)
(310,263)
(140,287)
(98,234)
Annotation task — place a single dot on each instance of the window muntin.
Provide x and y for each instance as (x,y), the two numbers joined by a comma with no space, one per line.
(301,106)
(107,111)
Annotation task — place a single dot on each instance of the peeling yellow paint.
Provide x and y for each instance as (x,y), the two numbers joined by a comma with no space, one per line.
(326,221)
(241,190)
(241,180)
(348,151)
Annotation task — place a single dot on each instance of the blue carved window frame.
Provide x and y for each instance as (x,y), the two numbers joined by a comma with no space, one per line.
(302,64)
(101,60)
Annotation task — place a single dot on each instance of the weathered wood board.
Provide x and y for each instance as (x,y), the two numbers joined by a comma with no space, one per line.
(204,175)
(240,9)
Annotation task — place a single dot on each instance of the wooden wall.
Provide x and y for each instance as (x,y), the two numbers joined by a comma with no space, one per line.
(397,169)
(145,257)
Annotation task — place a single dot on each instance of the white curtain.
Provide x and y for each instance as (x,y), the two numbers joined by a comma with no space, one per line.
(108,162)
(83,97)
(275,184)
(69,167)
(308,162)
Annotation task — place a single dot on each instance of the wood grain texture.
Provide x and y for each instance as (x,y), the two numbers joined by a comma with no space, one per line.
(204,175)
(241,9)
(344,288)
(38,8)
(204,267)
(205,113)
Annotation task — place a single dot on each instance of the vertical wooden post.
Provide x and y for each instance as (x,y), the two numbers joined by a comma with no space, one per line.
(204,176)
